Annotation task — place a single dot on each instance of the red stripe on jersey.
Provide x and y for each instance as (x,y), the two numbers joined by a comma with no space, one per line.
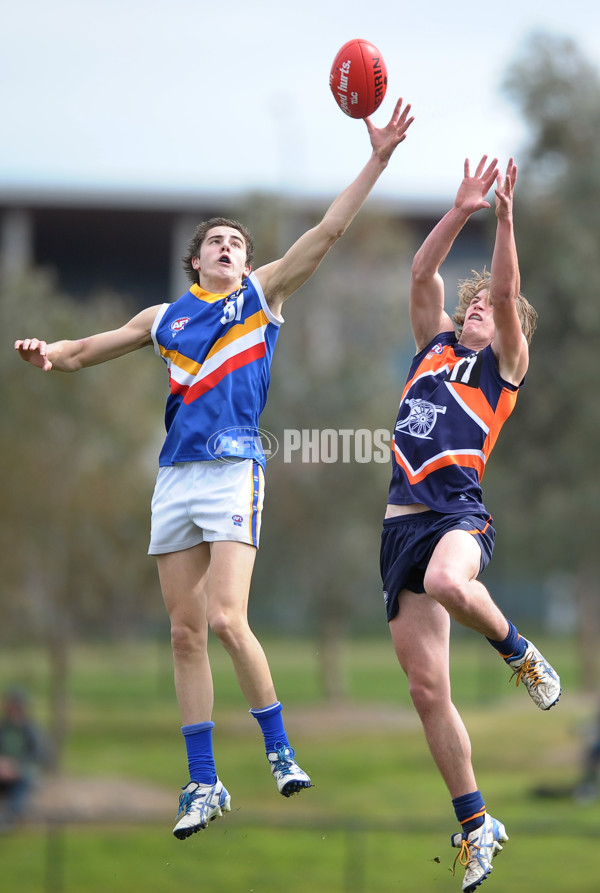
(235,362)
(176,387)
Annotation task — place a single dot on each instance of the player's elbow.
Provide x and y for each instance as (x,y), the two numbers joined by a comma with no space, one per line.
(331,232)
(421,270)
(69,357)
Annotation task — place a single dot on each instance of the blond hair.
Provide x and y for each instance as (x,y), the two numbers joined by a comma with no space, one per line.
(469,288)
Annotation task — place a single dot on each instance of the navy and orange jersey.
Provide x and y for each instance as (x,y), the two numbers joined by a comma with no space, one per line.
(218,350)
(453,406)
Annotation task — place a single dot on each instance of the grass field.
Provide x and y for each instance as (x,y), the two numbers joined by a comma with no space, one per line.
(378,818)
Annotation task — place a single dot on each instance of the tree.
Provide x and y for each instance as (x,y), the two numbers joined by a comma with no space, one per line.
(80,456)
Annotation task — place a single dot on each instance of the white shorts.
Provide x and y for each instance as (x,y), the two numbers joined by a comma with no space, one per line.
(196,502)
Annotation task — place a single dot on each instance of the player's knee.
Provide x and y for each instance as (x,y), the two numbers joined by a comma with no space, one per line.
(427,695)
(185,640)
(227,627)
(446,588)
(220,624)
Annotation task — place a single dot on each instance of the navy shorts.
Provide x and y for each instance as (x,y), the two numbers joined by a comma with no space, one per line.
(407,544)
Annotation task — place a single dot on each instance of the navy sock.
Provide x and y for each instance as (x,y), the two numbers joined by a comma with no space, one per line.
(198,742)
(271,724)
(470,811)
(513,646)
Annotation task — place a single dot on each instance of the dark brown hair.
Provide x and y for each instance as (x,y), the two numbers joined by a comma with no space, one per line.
(199,236)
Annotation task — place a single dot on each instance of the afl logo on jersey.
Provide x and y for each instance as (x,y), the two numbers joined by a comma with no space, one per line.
(438,348)
(237,520)
(179,324)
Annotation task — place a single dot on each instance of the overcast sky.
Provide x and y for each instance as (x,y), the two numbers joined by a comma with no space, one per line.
(189,95)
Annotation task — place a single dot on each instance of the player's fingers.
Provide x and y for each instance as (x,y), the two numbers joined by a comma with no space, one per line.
(480,166)
(404,119)
(32,344)
(491,171)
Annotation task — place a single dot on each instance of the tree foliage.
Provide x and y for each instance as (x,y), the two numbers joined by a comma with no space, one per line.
(79,459)
(80,451)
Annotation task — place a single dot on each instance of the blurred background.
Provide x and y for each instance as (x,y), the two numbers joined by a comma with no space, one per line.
(122,130)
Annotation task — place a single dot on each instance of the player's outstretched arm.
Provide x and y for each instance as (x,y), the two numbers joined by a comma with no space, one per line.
(70,356)
(427,288)
(509,345)
(283,277)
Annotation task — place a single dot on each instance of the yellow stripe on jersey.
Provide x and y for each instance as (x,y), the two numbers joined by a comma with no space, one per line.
(258,320)
(207,296)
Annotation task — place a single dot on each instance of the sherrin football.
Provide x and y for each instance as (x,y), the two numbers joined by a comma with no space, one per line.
(358,78)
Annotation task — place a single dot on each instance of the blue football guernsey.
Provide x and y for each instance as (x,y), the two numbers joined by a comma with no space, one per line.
(218,351)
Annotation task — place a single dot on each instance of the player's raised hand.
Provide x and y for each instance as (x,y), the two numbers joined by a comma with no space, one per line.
(34,351)
(505,190)
(474,188)
(385,139)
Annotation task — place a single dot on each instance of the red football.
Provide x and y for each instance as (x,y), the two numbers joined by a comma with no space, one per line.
(358,78)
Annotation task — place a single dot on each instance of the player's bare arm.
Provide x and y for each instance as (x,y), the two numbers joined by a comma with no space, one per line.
(70,356)
(509,345)
(427,313)
(283,277)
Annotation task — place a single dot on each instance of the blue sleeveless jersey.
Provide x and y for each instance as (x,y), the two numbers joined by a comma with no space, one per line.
(453,406)
(218,350)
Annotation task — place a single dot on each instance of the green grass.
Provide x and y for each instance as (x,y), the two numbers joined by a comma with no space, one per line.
(378,818)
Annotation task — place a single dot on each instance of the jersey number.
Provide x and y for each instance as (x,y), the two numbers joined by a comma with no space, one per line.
(233,311)
(463,371)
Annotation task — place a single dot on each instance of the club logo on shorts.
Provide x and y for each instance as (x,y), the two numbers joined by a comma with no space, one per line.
(237,520)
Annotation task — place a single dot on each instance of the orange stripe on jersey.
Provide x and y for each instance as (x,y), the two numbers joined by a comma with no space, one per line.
(429,365)
(253,322)
(505,406)
(466,459)
(235,362)
(181,361)
(191,367)
(475,401)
